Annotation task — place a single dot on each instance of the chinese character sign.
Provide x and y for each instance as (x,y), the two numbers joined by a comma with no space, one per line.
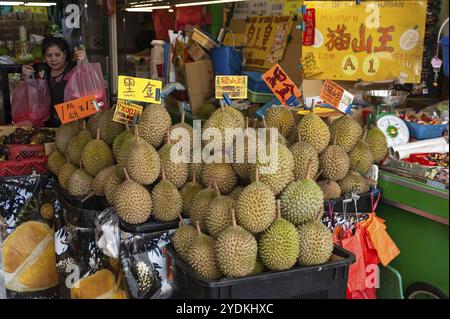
(336,96)
(233,85)
(376,40)
(127,113)
(266,39)
(142,90)
(76,109)
(281,85)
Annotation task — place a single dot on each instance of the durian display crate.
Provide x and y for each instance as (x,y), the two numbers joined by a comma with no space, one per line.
(327,281)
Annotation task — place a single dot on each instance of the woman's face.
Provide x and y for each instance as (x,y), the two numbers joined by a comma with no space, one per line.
(55,58)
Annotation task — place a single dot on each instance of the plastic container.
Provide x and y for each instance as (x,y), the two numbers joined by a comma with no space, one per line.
(20,152)
(256,83)
(24,167)
(256,97)
(444,42)
(425,131)
(312,282)
(226,60)
(150,226)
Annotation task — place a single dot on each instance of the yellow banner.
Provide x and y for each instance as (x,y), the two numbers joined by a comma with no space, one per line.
(266,39)
(137,89)
(233,85)
(291,7)
(376,40)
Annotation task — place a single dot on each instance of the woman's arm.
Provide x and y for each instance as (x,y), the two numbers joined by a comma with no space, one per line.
(27,71)
(79,55)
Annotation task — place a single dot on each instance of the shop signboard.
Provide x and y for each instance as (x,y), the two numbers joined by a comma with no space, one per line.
(266,40)
(245,9)
(233,85)
(138,89)
(336,96)
(291,7)
(127,113)
(281,85)
(370,41)
(76,109)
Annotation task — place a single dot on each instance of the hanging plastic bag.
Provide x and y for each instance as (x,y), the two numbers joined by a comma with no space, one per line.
(31,102)
(84,80)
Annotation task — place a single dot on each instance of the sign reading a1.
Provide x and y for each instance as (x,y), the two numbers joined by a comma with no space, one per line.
(76,109)
(282,86)
(336,96)
(137,89)
(127,113)
(233,85)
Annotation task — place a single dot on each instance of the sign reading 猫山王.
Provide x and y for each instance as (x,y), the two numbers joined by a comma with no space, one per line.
(137,89)
(233,85)
(372,41)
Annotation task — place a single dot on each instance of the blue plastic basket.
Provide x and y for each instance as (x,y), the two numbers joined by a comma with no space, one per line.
(227,60)
(256,83)
(444,42)
(425,131)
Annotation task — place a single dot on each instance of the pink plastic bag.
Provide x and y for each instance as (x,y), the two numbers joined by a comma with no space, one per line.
(31,102)
(84,80)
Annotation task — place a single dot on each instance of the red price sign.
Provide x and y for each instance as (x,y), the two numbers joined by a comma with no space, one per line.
(76,109)
(281,85)
(336,96)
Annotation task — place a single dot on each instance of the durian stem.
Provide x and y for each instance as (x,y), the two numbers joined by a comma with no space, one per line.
(246,123)
(194,178)
(217,188)
(308,171)
(98,134)
(255,123)
(127,127)
(168,136)
(334,139)
(233,218)
(136,133)
(126,174)
(84,125)
(264,121)
(257,173)
(318,175)
(197,225)
(222,108)
(80,164)
(87,197)
(183,117)
(278,209)
(320,214)
(181,219)
(163,173)
(364,134)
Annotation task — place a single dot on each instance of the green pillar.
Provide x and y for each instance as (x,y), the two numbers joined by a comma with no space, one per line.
(217,18)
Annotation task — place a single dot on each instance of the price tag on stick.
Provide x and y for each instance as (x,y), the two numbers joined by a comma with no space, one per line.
(127,113)
(282,86)
(336,96)
(76,109)
(233,85)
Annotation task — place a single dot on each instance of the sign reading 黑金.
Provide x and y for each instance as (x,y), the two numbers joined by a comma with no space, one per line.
(376,40)
(137,89)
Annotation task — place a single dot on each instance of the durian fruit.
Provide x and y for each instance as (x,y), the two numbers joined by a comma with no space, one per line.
(183,238)
(313,131)
(175,172)
(241,165)
(133,202)
(142,163)
(334,163)
(64,134)
(100,285)
(92,125)
(199,206)
(221,121)
(280,117)
(236,114)
(376,140)
(255,207)
(236,250)
(109,129)
(154,123)
(122,155)
(281,138)
(293,137)
(76,145)
(353,181)
(301,200)
(28,255)
(64,173)
(277,173)
(330,189)
(188,193)
(182,125)
(201,257)
(167,201)
(112,182)
(96,156)
(346,131)
(220,173)
(55,161)
(303,153)
(278,246)
(316,243)
(259,267)
(361,157)
(236,192)
(99,181)
(79,183)
(218,216)
(120,140)
(194,167)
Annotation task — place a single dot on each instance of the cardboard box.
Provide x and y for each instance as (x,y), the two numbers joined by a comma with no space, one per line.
(199,81)
(197,53)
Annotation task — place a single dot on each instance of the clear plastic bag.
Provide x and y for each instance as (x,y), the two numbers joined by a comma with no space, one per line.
(84,80)
(31,103)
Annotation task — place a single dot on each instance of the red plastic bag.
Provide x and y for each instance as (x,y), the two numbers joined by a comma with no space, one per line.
(188,15)
(163,21)
(31,102)
(86,79)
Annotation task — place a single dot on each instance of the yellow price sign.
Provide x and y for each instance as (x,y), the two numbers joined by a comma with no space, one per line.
(127,113)
(137,89)
(233,85)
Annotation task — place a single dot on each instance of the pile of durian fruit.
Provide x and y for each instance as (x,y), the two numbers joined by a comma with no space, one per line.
(236,227)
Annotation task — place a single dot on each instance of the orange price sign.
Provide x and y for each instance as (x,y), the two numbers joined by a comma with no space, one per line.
(76,109)
(336,96)
(281,85)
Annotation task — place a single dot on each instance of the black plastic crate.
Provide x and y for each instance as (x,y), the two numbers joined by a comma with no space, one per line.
(327,281)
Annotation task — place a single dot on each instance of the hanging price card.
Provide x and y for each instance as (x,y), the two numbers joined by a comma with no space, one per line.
(233,85)
(127,113)
(137,89)
(76,109)
(281,85)
(336,96)
(309,65)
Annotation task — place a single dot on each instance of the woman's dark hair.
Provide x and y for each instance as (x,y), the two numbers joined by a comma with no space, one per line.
(61,43)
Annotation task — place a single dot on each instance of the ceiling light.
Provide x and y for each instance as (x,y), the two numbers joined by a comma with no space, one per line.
(190,4)
(40,4)
(11,3)
(146,9)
